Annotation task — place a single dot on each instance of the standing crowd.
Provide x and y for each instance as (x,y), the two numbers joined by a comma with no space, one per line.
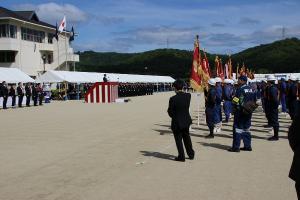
(240,98)
(31,92)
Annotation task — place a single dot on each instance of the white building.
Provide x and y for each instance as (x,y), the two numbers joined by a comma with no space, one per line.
(30,45)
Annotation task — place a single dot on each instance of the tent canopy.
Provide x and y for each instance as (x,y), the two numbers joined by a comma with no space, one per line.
(90,77)
(14,75)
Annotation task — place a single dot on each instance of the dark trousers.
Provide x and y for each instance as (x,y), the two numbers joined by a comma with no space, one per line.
(184,135)
(297,185)
(20,100)
(41,100)
(13,101)
(27,100)
(35,100)
(241,135)
(4,102)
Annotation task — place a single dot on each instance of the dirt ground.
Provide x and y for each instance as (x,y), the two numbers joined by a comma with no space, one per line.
(77,151)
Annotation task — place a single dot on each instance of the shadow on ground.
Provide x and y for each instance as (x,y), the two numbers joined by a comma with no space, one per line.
(158,155)
(215,145)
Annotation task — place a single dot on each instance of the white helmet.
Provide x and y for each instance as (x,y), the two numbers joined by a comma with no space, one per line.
(293,78)
(218,80)
(212,82)
(271,78)
(227,81)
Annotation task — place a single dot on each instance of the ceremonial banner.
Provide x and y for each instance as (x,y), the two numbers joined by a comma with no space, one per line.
(205,70)
(229,68)
(195,79)
(219,67)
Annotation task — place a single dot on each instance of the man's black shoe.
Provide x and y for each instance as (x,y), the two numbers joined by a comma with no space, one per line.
(179,159)
(246,149)
(191,157)
(209,136)
(233,150)
(273,138)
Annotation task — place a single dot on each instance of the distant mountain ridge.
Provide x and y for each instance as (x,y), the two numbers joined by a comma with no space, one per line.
(277,57)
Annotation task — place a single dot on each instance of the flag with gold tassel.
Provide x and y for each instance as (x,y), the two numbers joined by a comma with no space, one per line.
(195,79)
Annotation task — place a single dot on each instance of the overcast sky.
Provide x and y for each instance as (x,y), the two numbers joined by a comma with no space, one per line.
(140,25)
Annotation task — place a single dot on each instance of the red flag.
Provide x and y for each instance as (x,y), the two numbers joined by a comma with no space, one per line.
(195,79)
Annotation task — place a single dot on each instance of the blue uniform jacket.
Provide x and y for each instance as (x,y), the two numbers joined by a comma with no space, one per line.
(245,94)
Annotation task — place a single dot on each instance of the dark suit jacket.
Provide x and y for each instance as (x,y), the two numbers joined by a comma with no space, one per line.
(179,111)
(294,140)
(19,91)
(28,90)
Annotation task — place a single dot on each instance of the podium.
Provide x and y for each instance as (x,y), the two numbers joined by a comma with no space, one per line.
(102,92)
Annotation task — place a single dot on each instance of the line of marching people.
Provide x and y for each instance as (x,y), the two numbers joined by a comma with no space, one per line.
(32,92)
(239,98)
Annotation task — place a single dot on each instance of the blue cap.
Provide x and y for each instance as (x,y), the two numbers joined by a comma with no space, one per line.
(243,78)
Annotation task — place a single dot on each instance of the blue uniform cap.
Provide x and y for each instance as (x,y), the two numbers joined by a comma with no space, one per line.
(243,78)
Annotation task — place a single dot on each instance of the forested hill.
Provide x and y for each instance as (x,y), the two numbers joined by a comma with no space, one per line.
(277,57)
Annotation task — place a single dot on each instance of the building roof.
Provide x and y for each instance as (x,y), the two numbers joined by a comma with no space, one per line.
(27,16)
(31,15)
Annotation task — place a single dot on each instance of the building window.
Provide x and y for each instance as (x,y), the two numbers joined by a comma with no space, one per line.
(9,31)
(50,38)
(7,56)
(32,35)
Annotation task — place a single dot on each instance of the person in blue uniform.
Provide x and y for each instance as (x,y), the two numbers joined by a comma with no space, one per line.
(282,91)
(263,87)
(292,96)
(218,110)
(273,103)
(266,105)
(178,110)
(210,106)
(228,93)
(242,117)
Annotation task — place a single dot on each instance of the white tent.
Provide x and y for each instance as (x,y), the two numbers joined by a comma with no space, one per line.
(14,75)
(90,77)
(71,77)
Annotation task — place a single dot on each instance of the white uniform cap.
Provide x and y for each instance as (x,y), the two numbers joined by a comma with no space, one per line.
(218,80)
(271,78)
(228,81)
(212,82)
(293,78)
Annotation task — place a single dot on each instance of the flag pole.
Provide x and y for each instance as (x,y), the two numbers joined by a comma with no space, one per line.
(66,49)
(57,51)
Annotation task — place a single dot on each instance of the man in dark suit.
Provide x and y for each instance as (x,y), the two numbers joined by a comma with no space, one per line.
(181,120)
(4,92)
(20,93)
(294,140)
(28,94)
(105,78)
